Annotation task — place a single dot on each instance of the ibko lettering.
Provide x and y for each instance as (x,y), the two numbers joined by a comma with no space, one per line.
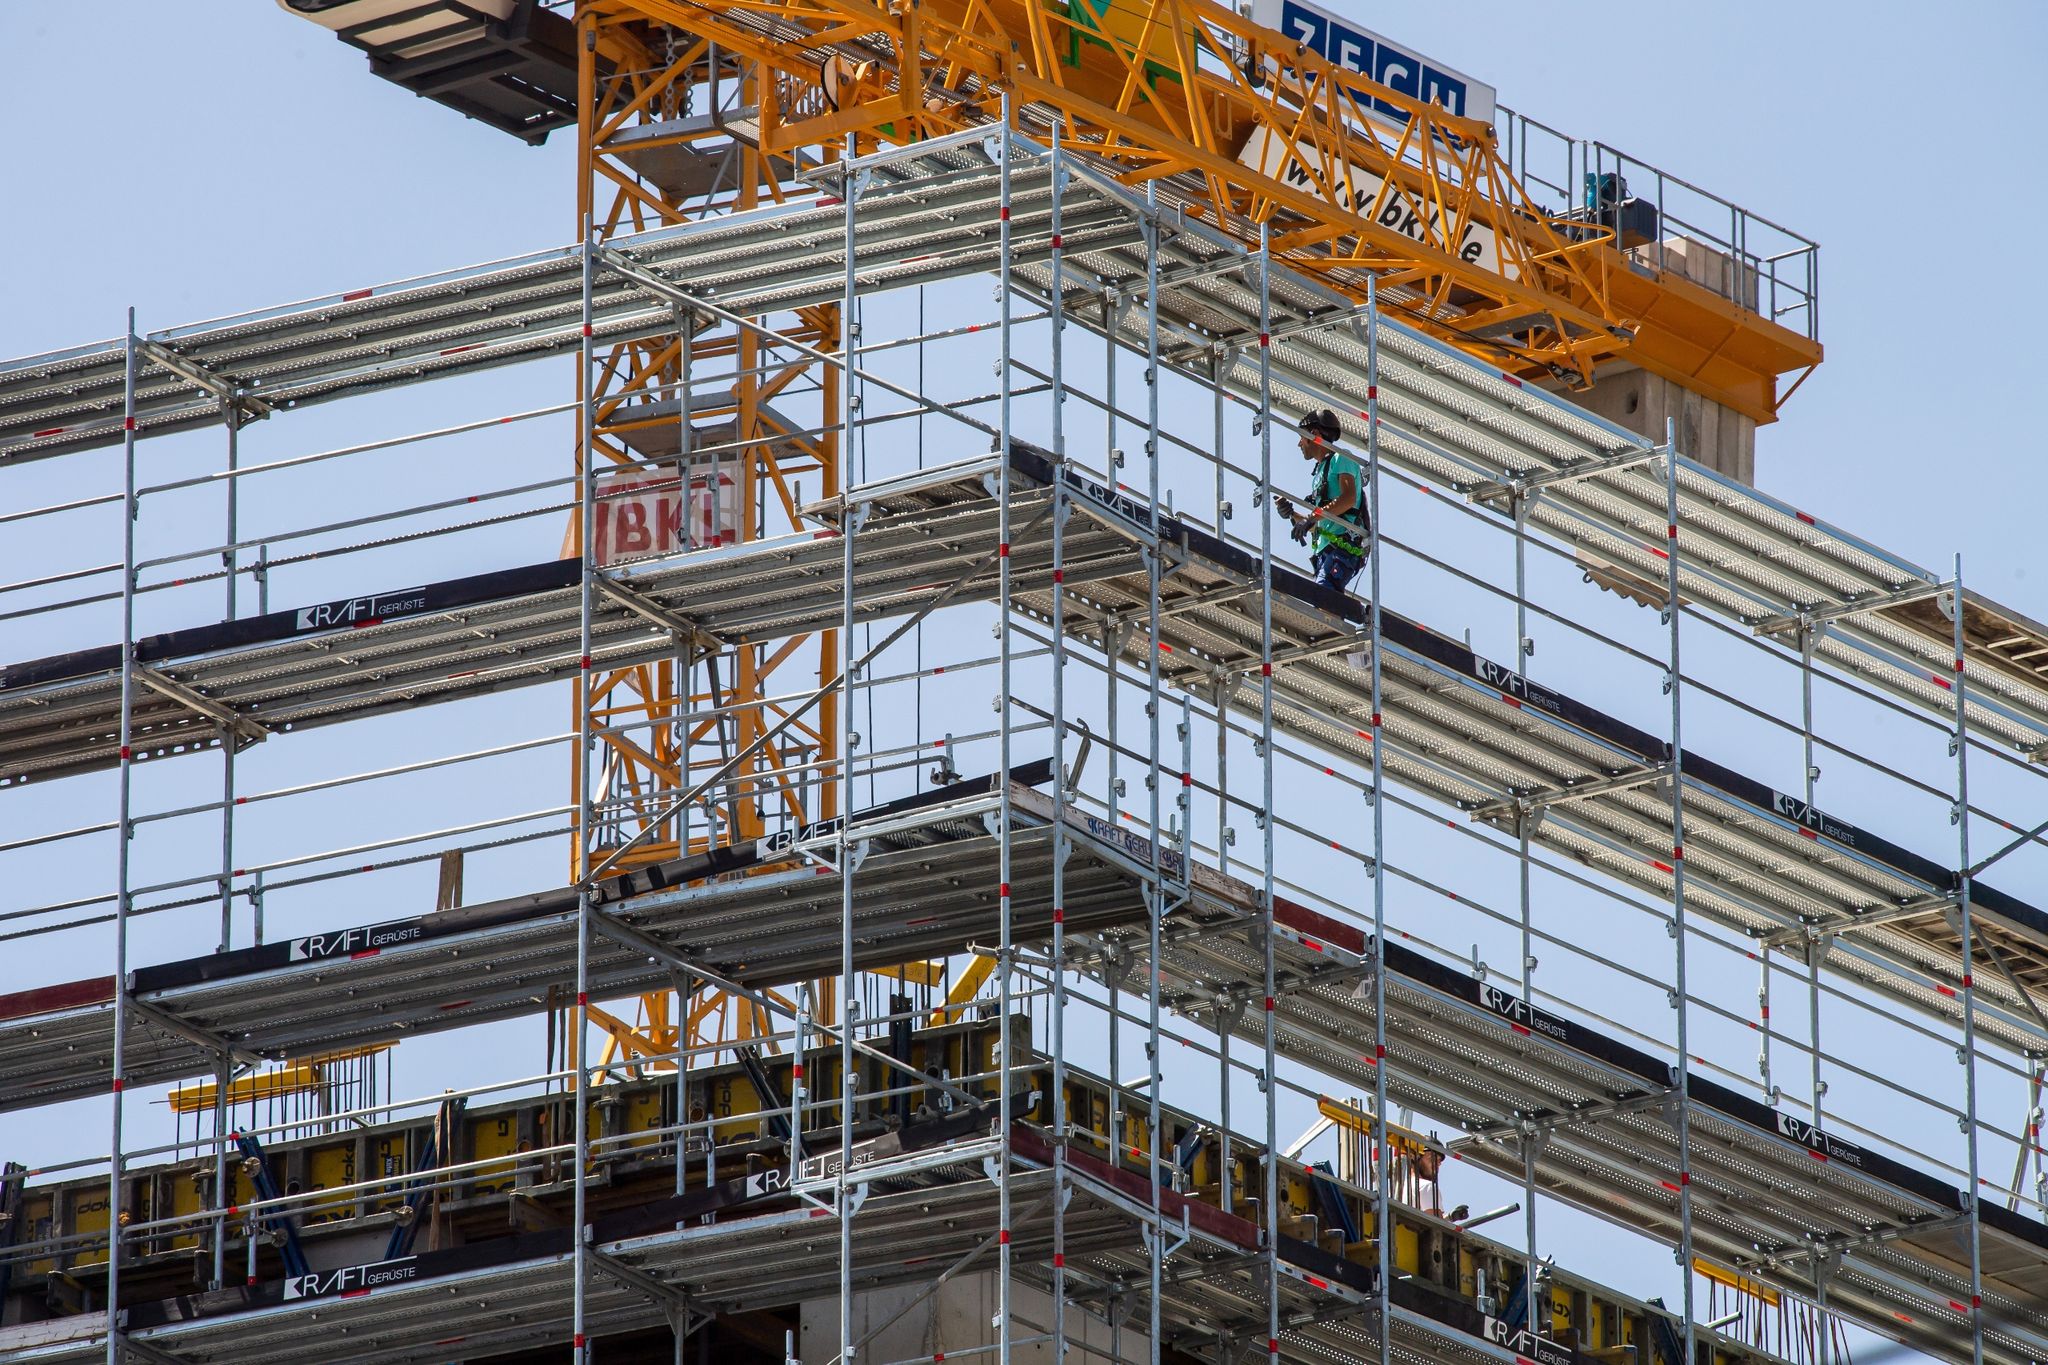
(368,938)
(359,611)
(354,1279)
(1357,190)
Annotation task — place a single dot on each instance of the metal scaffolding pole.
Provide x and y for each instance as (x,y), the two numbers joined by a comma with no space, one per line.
(1973,1186)
(1383,1205)
(1156,891)
(1684,1067)
(1059,766)
(1005,964)
(586,493)
(122,833)
(1269,1196)
(849,527)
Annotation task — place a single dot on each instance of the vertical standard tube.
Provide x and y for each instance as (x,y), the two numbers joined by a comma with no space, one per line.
(586,491)
(122,833)
(1157,892)
(849,525)
(1383,1194)
(1684,1069)
(1813,946)
(1059,766)
(231,414)
(1963,899)
(1005,962)
(1269,1194)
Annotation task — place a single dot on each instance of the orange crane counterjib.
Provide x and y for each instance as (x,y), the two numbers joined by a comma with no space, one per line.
(1241,126)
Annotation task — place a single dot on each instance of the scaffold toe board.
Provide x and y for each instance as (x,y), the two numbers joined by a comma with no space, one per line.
(1769,1190)
(763,915)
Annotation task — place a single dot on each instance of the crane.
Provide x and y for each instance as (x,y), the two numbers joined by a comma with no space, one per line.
(1359,159)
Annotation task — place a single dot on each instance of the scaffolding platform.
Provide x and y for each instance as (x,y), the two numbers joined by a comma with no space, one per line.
(930,213)
(1456,726)
(738,1245)
(768,917)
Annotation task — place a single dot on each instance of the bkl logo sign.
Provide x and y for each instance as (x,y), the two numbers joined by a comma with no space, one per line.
(644,514)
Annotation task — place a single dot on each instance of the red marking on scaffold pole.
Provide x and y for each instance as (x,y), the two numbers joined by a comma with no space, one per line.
(1004,212)
(579,1341)
(1678,854)
(1059,575)
(1003,889)
(1265,670)
(586,661)
(1003,550)
(796,1071)
(1945,990)
(1511,379)
(1968,982)
(1057,241)
(1817,1156)
(1805,517)
(1003,1237)
(48,431)
(355,294)
(1059,916)
(1059,1260)
(582,998)
(1272,1346)
(1372,393)
(118,1083)
(1959,665)
(586,329)
(1660,866)
(1375,723)
(127,424)
(1265,339)
(1942,682)
(1269,1004)
(126,753)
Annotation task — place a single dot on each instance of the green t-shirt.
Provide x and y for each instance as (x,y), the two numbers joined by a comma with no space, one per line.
(1327,488)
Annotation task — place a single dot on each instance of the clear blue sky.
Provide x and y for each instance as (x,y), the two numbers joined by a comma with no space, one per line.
(196,160)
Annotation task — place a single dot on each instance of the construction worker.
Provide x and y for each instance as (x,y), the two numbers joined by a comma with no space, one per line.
(1337,527)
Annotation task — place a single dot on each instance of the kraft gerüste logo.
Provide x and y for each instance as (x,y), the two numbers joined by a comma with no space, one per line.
(361,611)
(354,1279)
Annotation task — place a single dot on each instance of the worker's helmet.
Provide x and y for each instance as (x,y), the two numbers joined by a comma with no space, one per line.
(1322,426)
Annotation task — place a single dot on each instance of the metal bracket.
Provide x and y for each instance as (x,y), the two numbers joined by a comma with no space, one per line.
(1535,801)
(1515,487)
(671,1300)
(682,627)
(1810,617)
(193,1034)
(143,1351)
(219,713)
(192,372)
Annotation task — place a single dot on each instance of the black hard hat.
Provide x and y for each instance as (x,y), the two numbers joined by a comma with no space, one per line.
(1322,425)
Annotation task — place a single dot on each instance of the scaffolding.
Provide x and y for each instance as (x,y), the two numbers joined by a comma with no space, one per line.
(1412,800)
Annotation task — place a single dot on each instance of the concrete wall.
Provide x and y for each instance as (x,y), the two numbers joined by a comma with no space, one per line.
(1718,437)
(960,1316)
